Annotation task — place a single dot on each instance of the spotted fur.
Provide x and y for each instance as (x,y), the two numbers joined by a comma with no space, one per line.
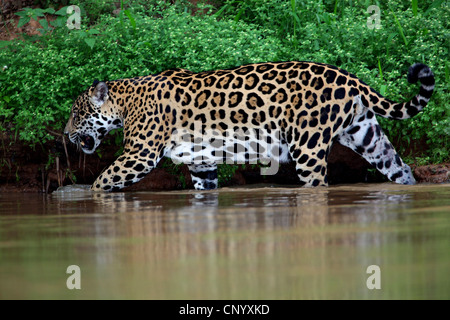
(302,107)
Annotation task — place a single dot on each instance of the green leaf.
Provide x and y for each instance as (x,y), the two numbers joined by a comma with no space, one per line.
(220,11)
(80,33)
(414,4)
(22,13)
(49,11)
(62,11)
(93,31)
(380,70)
(90,42)
(44,24)
(59,22)
(399,26)
(132,20)
(23,21)
(38,12)
(238,16)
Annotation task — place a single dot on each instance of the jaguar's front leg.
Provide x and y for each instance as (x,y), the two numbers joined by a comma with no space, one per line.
(128,169)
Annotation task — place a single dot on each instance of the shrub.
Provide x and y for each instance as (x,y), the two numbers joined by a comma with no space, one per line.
(329,31)
(43,78)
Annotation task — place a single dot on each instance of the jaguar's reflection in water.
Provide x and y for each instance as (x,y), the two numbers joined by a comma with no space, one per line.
(243,243)
(246,208)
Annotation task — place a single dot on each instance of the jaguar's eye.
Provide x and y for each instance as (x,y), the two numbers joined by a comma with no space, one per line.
(74,117)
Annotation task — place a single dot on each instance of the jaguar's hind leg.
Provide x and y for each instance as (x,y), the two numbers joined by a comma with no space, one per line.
(366,138)
(204,176)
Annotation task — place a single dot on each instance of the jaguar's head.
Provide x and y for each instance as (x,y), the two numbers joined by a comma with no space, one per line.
(91,118)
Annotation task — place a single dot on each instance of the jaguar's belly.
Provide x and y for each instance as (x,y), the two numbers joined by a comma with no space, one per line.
(251,147)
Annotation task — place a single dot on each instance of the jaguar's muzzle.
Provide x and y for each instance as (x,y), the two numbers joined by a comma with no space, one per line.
(87,143)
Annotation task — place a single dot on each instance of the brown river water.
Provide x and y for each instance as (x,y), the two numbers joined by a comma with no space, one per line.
(232,243)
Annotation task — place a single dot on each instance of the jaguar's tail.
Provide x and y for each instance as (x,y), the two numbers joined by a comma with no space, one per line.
(389,109)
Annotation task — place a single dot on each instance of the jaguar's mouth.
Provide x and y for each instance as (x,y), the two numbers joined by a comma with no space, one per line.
(87,143)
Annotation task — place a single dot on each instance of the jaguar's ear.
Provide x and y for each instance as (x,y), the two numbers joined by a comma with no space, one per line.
(100,94)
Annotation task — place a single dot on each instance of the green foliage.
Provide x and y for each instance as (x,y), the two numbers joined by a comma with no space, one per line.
(28,13)
(92,10)
(42,78)
(175,169)
(336,32)
(226,171)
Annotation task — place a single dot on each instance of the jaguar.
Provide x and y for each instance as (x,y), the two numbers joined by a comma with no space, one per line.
(283,111)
